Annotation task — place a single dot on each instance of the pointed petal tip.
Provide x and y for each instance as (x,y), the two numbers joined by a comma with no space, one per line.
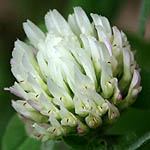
(77,8)
(6,89)
(13,102)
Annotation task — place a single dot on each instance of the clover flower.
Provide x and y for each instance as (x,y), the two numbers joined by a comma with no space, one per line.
(76,77)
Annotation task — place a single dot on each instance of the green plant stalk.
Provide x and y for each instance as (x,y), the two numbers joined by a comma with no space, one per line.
(145,8)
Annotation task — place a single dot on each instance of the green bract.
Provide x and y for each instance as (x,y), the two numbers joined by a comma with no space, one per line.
(74,78)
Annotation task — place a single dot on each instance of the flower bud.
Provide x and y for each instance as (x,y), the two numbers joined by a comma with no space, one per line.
(93,121)
(82,128)
(75,78)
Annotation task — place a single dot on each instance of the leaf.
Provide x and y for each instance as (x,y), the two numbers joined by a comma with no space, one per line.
(144,13)
(132,120)
(6,111)
(145,146)
(15,137)
(30,144)
(54,145)
(131,141)
(48,145)
(141,143)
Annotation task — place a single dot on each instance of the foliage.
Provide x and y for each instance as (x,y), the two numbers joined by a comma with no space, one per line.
(145,9)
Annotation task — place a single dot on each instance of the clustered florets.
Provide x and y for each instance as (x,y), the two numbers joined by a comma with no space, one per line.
(74,77)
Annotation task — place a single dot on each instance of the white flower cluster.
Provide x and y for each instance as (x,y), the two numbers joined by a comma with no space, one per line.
(74,77)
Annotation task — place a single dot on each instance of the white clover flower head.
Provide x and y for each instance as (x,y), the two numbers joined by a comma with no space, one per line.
(74,77)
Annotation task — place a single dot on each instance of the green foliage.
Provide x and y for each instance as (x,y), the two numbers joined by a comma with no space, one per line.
(132,120)
(15,137)
(127,141)
(29,143)
(6,80)
(144,13)
(131,141)
(54,145)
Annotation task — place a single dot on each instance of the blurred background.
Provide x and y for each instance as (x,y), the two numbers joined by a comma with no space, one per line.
(126,14)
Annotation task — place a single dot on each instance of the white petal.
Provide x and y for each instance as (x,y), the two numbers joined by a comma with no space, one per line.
(97,19)
(107,26)
(79,107)
(40,129)
(55,22)
(23,47)
(102,21)
(82,81)
(34,34)
(26,110)
(68,119)
(42,64)
(27,50)
(55,90)
(103,51)
(87,65)
(47,102)
(34,84)
(19,72)
(55,72)
(117,37)
(83,21)
(73,24)
(34,104)
(59,94)
(107,83)
(18,89)
(95,54)
(126,77)
(136,79)
(97,98)
(102,35)
(54,122)
(86,44)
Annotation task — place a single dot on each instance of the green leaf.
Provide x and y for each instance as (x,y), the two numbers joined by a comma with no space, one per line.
(30,144)
(141,143)
(6,79)
(50,145)
(132,120)
(144,13)
(131,141)
(54,145)
(15,137)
